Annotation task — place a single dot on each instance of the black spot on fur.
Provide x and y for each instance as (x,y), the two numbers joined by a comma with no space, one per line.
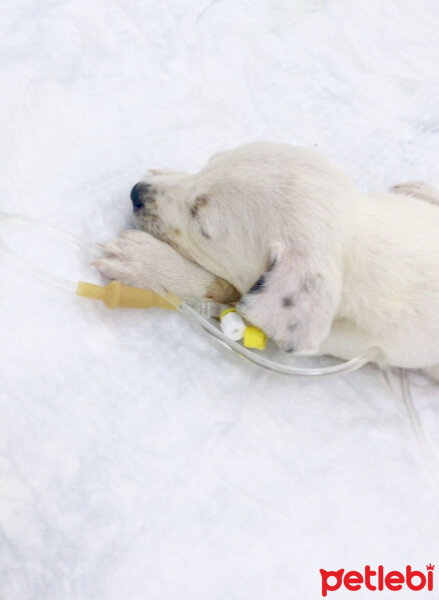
(289,348)
(312,283)
(258,286)
(287,302)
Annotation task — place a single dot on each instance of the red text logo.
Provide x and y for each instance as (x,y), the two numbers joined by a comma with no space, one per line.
(377,580)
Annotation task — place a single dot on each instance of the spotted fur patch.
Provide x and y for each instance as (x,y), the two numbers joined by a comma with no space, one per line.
(287,301)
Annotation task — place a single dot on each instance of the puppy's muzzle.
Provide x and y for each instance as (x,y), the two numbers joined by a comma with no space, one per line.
(141,194)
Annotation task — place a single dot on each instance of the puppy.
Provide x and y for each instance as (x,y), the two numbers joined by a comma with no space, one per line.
(320,266)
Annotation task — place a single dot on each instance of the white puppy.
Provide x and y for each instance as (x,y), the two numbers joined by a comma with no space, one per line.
(320,266)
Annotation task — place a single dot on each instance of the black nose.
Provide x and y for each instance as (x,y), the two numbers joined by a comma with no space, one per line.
(138,193)
(135,196)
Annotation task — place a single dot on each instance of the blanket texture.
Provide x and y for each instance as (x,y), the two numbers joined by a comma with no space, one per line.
(138,460)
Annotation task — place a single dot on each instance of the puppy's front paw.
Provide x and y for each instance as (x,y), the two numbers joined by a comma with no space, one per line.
(293,317)
(137,258)
(132,259)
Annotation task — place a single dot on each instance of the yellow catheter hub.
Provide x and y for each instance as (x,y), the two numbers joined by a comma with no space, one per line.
(119,295)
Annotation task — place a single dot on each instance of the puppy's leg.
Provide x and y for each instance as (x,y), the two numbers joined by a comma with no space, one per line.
(417,189)
(346,341)
(420,190)
(139,259)
(294,301)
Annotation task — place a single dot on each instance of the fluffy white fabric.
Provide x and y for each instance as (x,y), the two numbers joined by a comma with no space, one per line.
(138,460)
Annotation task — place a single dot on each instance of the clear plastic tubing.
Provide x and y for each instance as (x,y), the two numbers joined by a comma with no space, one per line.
(338,369)
(72,240)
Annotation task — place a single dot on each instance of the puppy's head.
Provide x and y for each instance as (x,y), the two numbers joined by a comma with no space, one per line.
(221,218)
(241,219)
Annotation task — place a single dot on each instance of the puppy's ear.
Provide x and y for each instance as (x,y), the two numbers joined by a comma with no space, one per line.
(294,301)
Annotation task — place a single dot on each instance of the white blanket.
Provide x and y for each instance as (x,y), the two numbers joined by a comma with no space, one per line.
(138,460)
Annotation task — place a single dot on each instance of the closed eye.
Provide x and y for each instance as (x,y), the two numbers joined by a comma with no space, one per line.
(200,201)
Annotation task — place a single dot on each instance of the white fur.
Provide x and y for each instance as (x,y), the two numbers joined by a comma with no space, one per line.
(348,270)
